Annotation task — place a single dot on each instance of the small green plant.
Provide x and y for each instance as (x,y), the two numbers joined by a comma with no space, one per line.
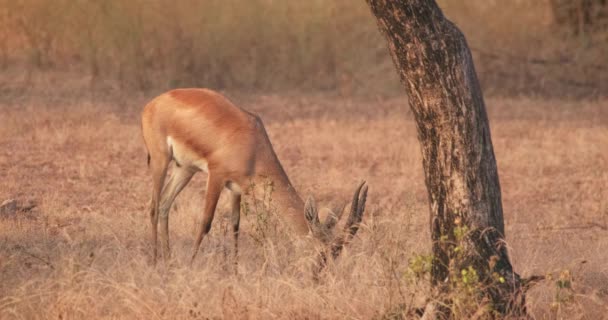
(465,290)
(564,293)
(419,267)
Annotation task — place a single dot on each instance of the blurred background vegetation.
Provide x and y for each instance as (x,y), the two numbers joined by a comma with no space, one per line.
(521,47)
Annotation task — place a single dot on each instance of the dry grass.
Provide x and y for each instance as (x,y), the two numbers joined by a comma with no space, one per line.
(258,44)
(70,142)
(83,252)
(279,45)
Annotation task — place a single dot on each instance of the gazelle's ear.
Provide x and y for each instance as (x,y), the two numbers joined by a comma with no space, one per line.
(312,215)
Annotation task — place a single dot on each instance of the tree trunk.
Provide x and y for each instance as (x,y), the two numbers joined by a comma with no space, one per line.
(435,65)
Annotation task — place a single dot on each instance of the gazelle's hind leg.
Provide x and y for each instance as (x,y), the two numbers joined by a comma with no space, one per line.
(158,166)
(235,203)
(178,180)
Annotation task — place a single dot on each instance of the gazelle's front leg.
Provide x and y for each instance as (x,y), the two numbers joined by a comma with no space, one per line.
(178,180)
(215,184)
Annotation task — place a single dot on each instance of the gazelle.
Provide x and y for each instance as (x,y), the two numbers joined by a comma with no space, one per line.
(201,130)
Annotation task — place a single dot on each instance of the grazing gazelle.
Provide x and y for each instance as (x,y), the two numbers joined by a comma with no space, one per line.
(200,129)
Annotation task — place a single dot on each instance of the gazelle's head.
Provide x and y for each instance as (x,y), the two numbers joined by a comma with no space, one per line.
(324,231)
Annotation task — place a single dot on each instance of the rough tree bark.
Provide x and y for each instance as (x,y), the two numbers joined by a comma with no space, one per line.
(435,65)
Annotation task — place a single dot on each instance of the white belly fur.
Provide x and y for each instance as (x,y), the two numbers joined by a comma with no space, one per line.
(234,187)
(186,157)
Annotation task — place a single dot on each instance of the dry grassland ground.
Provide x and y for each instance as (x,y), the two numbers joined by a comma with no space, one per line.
(83,251)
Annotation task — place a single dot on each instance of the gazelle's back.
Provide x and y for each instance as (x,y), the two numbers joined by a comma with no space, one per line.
(199,127)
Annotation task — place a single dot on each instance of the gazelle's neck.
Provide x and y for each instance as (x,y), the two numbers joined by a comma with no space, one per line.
(284,196)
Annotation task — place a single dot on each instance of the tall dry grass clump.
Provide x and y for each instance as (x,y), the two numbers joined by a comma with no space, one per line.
(229,43)
(286,45)
(520,48)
